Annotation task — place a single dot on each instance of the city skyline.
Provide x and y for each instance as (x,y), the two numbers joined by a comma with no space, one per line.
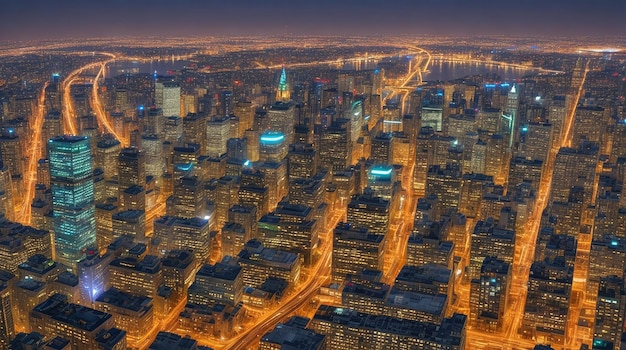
(315,175)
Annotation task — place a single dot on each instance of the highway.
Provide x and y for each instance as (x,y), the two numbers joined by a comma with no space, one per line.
(69,115)
(35,152)
(414,69)
(104,121)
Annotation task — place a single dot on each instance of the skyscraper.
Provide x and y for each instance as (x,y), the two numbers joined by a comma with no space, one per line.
(167,98)
(512,105)
(72,197)
(283,93)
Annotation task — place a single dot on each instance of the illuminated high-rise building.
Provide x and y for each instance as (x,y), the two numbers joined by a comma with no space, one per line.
(72,197)
(606,258)
(370,211)
(106,155)
(489,295)
(488,239)
(7,203)
(136,273)
(275,177)
(223,193)
(610,308)
(574,168)
(496,158)
(194,130)
(335,146)
(547,304)
(253,191)
(7,329)
(536,141)
(11,149)
(132,168)
(221,283)
(302,161)
(281,117)
(172,129)
(93,273)
(273,147)
(512,105)
(129,223)
(429,243)
(167,98)
(51,125)
(226,100)
(245,112)
(259,264)
(132,313)
(175,233)
(283,93)
(473,188)
(355,114)
(589,125)
(524,170)
(354,250)
(291,227)
(188,200)
(234,237)
(382,149)
(217,132)
(445,182)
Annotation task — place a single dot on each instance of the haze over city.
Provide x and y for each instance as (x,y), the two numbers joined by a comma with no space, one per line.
(41,19)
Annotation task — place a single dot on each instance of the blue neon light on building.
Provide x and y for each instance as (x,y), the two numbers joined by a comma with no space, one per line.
(269,138)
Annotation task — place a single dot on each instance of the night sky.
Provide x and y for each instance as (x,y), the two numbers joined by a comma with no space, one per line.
(54,19)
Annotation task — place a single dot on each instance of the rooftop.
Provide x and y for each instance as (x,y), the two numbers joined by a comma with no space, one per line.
(126,301)
(294,335)
(392,325)
(77,316)
(220,270)
(170,341)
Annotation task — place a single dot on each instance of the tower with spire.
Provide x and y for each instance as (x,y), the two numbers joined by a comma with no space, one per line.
(282,93)
(512,105)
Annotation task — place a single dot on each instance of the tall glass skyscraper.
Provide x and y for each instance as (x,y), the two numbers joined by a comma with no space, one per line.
(71,182)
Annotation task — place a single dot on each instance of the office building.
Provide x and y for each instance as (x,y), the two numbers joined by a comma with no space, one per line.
(72,197)
(346,328)
(259,263)
(132,313)
(489,240)
(335,150)
(292,228)
(368,210)
(167,98)
(7,330)
(136,272)
(610,307)
(489,295)
(293,334)
(221,283)
(356,249)
(175,233)
(78,324)
(547,304)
